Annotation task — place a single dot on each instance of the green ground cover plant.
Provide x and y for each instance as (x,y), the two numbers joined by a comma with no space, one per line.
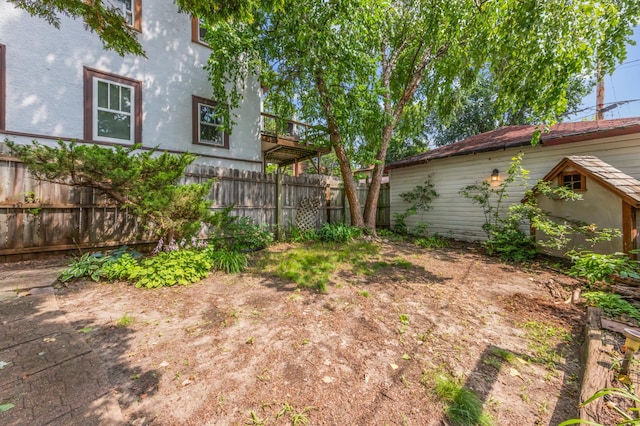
(431,242)
(597,267)
(612,305)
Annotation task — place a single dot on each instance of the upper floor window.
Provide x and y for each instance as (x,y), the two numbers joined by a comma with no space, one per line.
(573,180)
(131,10)
(207,124)
(198,31)
(113,108)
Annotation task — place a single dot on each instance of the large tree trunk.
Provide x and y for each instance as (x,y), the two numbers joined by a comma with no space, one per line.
(350,187)
(371,205)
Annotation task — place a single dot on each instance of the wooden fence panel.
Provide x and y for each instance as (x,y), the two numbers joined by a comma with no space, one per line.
(40,216)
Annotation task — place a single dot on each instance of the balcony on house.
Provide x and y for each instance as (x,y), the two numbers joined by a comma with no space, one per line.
(285,142)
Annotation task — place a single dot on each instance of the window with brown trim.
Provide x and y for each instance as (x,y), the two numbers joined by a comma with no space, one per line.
(573,180)
(131,10)
(3,85)
(198,33)
(112,108)
(207,123)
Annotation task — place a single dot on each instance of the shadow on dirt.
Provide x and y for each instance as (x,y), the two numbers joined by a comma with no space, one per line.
(493,358)
(113,343)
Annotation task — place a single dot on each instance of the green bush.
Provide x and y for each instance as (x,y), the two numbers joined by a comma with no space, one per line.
(602,267)
(238,234)
(338,233)
(510,244)
(143,182)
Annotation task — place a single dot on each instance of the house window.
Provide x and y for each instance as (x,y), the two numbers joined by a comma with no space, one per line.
(131,10)
(573,181)
(113,108)
(207,124)
(198,32)
(3,73)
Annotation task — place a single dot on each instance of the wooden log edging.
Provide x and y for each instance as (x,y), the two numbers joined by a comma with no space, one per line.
(595,375)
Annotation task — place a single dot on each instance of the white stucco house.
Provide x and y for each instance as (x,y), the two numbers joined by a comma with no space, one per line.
(62,84)
(599,159)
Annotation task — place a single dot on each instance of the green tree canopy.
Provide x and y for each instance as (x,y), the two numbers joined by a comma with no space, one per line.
(360,68)
(475,113)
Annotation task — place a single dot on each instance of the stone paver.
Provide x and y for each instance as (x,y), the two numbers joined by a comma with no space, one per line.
(48,372)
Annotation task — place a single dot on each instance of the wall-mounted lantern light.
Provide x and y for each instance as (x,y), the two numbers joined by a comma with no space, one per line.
(495,175)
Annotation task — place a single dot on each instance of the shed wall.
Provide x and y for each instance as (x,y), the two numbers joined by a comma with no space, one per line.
(457,217)
(598,206)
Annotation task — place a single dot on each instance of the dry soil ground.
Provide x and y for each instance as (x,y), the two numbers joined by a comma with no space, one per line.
(240,349)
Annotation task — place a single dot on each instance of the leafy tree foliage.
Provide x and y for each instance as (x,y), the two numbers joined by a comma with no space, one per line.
(477,113)
(98,17)
(145,183)
(365,71)
(111,27)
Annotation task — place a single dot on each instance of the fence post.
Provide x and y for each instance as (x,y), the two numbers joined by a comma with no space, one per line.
(279,201)
(345,207)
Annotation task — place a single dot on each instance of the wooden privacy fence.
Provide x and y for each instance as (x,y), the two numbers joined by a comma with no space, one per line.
(37,217)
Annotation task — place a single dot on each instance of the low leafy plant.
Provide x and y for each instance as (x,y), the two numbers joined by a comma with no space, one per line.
(89,265)
(434,241)
(228,261)
(338,233)
(93,265)
(170,268)
(612,304)
(602,267)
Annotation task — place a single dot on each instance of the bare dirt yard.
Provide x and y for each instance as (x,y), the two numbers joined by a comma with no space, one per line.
(252,348)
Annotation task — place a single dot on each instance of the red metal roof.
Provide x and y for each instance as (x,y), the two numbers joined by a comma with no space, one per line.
(514,136)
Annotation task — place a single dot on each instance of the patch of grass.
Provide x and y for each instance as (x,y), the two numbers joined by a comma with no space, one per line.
(125,321)
(542,341)
(462,406)
(364,293)
(297,418)
(313,265)
(506,355)
(255,420)
(404,319)
(492,361)
(402,263)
